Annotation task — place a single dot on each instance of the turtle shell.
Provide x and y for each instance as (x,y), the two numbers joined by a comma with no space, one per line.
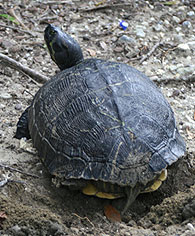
(106,121)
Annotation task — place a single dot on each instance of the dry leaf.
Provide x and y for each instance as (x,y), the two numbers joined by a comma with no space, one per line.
(112,214)
(3,216)
(189,133)
(91,52)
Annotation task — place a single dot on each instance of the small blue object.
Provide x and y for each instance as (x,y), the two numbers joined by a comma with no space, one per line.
(123,24)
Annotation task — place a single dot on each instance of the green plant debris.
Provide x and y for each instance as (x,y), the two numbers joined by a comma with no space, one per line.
(10,18)
(170,3)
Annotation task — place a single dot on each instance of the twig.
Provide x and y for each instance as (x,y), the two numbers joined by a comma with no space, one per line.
(173,80)
(18,29)
(5,181)
(150,52)
(54,2)
(135,58)
(164,52)
(12,13)
(28,93)
(104,7)
(31,79)
(84,218)
(17,170)
(46,19)
(18,66)
(16,181)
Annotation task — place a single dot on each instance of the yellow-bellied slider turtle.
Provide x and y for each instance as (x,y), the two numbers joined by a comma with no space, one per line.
(101,126)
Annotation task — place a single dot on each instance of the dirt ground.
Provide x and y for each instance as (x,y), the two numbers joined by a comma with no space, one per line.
(29,203)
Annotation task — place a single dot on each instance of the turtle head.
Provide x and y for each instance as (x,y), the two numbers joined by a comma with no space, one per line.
(63,49)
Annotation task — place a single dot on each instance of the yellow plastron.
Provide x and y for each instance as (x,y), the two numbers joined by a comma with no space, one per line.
(157,183)
(91,190)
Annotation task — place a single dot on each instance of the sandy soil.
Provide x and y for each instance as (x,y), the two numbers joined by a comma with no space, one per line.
(29,203)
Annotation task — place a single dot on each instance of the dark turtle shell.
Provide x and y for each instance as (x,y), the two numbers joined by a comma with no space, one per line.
(104,121)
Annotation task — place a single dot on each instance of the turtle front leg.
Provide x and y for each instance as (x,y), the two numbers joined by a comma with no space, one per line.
(22,126)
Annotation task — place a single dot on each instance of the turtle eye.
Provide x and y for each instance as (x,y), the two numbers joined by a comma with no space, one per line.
(52,32)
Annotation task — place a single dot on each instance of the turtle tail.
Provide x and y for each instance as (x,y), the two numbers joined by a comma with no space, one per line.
(131,193)
(22,126)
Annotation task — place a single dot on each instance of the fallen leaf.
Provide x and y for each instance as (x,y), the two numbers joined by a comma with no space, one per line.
(91,52)
(3,216)
(112,214)
(189,133)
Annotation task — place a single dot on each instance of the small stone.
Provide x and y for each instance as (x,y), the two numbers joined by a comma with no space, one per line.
(187,24)
(127,39)
(191,44)
(118,49)
(183,8)
(175,93)
(183,90)
(140,32)
(4,95)
(131,223)
(191,13)
(2,134)
(178,29)
(114,39)
(162,35)
(188,60)
(145,24)
(16,228)
(185,70)
(160,71)
(18,106)
(172,68)
(55,227)
(189,210)
(191,227)
(2,106)
(6,44)
(176,19)
(178,38)
(15,49)
(166,22)
(183,46)
(86,38)
(75,230)
(158,28)
(158,6)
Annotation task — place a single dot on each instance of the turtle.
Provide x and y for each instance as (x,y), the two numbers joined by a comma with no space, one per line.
(100,126)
